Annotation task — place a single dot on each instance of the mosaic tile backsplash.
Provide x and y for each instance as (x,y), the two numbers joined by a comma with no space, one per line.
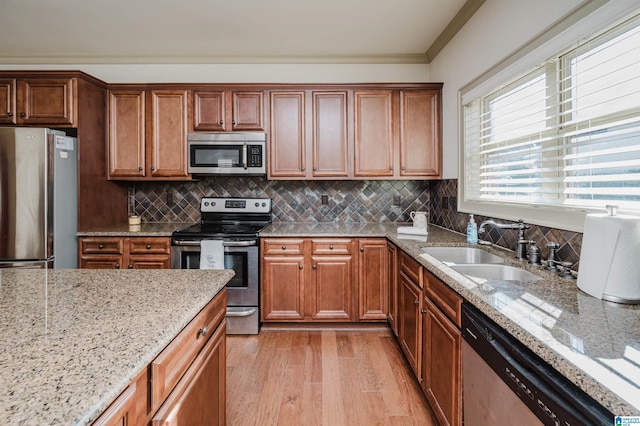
(293,201)
(444,195)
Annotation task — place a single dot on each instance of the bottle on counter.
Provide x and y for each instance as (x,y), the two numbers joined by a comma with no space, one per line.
(472,231)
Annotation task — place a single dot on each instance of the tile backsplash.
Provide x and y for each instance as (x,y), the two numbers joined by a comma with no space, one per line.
(293,201)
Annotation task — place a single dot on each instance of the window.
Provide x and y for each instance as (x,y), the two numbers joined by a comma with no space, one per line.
(565,136)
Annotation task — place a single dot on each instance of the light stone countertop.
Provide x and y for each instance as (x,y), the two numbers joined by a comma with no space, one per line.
(72,340)
(145,229)
(595,344)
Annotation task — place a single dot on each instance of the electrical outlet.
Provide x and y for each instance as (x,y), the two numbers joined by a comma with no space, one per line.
(397,200)
(445,203)
(324,199)
(453,203)
(169,198)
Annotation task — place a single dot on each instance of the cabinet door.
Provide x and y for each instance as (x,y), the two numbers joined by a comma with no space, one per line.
(330,142)
(410,322)
(372,279)
(287,135)
(247,111)
(149,262)
(209,110)
(199,398)
(282,289)
(392,278)
(168,134)
(441,365)
(8,98)
(373,133)
(420,133)
(101,262)
(126,133)
(331,290)
(47,101)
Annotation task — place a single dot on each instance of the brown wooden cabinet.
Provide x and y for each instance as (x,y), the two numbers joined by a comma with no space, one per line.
(228,110)
(124,253)
(329,138)
(420,133)
(287,135)
(322,279)
(392,280)
(42,101)
(374,133)
(410,322)
(148,134)
(372,279)
(442,348)
(185,383)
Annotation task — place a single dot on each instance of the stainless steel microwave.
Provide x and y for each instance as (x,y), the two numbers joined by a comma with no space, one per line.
(227,153)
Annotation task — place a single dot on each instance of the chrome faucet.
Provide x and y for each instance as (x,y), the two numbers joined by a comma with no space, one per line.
(521,249)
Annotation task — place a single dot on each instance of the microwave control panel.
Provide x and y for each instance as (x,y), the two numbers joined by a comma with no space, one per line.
(254,156)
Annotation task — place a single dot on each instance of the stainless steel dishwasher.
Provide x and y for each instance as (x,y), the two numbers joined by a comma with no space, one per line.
(506,383)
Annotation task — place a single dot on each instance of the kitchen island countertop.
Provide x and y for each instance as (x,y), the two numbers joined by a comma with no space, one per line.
(72,340)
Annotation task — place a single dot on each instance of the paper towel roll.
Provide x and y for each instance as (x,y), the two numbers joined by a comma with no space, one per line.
(609,258)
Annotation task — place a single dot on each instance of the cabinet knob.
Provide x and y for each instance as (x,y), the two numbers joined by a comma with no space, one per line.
(153,168)
(233,122)
(22,114)
(423,311)
(284,247)
(221,122)
(416,302)
(391,168)
(9,114)
(202,331)
(315,169)
(362,249)
(314,267)
(299,266)
(404,168)
(129,266)
(140,168)
(302,169)
(148,246)
(117,266)
(100,246)
(330,247)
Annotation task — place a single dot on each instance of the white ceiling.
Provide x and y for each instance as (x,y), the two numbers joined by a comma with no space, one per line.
(217,31)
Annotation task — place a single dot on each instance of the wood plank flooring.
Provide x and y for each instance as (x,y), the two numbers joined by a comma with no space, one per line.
(321,377)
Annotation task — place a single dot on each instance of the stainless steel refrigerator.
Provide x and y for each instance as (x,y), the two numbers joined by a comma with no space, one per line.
(38,198)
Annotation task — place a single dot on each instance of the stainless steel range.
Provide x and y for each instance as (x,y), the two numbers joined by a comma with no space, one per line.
(237,222)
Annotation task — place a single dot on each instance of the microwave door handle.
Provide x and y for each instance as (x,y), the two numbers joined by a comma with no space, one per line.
(244,155)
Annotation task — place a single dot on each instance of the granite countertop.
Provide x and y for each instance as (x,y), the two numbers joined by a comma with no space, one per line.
(595,344)
(72,340)
(145,229)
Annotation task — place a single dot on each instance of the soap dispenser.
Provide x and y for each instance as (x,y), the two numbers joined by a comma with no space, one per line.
(472,231)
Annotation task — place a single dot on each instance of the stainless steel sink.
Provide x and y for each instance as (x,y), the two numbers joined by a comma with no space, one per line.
(462,255)
(488,272)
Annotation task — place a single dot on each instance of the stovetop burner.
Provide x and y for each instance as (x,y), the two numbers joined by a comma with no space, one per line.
(229,218)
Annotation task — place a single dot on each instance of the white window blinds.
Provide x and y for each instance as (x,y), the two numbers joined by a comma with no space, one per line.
(566,134)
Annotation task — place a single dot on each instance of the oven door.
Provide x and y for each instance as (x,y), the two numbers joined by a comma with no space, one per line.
(241,256)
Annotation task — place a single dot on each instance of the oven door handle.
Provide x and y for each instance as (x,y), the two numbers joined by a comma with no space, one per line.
(243,313)
(224,243)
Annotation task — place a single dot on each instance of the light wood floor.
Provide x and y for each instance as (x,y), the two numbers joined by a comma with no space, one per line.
(321,377)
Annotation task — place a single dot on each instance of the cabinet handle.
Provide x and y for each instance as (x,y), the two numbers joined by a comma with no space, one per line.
(9,114)
(140,168)
(22,114)
(148,246)
(404,168)
(100,246)
(362,249)
(302,169)
(130,267)
(314,267)
(153,168)
(117,266)
(233,122)
(221,122)
(391,168)
(202,331)
(330,247)
(284,247)
(315,169)
(299,266)
(416,302)
(423,311)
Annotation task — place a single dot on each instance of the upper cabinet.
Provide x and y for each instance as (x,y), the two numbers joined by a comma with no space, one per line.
(148,134)
(42,101)
(227,110)
(359,132)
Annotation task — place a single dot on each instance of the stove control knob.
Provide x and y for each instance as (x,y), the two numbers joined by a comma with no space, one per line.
(206,203)
(264,204)
(213,203)
(257,204)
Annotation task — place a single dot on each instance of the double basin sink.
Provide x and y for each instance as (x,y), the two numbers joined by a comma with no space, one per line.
(479,265)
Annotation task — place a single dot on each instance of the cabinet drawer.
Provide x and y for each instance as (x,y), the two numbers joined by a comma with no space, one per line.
(411,268)
(102,245)
(282,246)
(173,361)
(149,245)
(443,297)
(331,246)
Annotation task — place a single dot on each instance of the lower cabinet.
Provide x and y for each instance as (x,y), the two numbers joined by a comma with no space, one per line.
(185,384)
(321,279)
(124,253)
(409,306)
(392,280)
